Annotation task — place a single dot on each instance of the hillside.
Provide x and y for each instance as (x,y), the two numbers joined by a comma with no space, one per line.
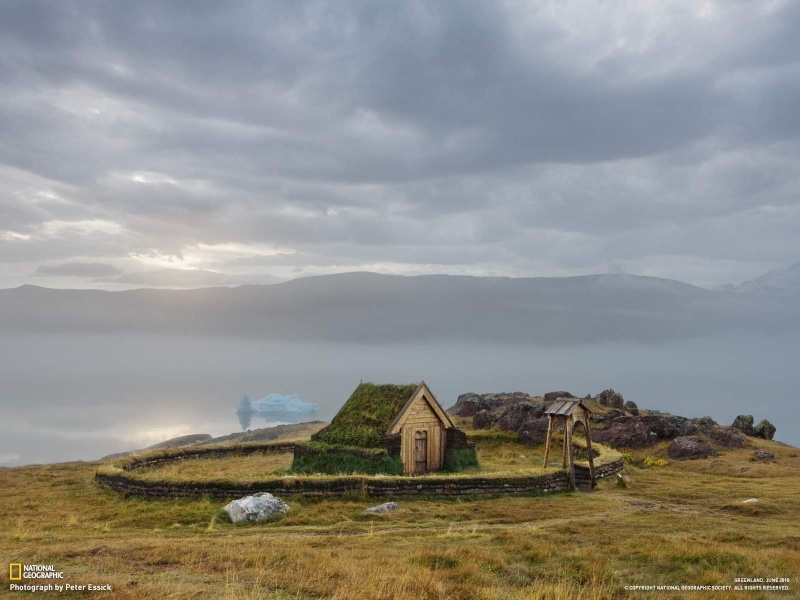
(777,282)
(289,432)
(367,307)
(685,523)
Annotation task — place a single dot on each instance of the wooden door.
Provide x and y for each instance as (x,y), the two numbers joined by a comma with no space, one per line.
(421,452)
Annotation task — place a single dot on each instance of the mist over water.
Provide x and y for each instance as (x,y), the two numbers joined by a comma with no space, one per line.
(79,397)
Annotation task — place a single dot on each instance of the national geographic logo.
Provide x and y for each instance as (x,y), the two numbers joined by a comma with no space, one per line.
(19,571)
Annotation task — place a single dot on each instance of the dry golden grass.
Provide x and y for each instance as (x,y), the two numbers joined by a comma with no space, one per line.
(238,468)
(679,524)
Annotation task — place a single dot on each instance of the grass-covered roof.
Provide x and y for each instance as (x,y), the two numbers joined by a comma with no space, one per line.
(367,414)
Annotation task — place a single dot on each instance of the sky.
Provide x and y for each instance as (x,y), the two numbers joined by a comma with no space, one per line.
(187,144)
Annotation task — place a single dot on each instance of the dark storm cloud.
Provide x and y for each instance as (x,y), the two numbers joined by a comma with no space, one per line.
(497,138)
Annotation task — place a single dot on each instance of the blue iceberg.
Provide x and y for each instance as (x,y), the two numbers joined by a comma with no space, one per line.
(275,408)
(278,403)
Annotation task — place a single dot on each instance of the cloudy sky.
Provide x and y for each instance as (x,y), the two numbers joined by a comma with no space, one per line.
(183,144)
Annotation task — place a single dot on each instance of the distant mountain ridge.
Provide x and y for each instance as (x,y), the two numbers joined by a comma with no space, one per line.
(287,432)
(370,308)
(777,282)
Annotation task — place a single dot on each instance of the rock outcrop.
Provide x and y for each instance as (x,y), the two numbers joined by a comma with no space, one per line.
(483,419)
(690,447)
(533,431)
(620,424)
(553,396)
(610,398)
(469,404)
(631,407)
(626,432)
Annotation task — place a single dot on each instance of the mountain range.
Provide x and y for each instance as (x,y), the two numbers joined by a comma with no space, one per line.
(778,282)
(372,308)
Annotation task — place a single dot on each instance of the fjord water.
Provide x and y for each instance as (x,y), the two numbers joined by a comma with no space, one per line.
(70,396)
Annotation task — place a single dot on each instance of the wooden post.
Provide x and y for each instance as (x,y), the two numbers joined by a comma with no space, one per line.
(549,439)
(568,442)
(589,451)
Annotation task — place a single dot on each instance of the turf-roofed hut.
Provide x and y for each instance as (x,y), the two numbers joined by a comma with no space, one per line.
(401,427)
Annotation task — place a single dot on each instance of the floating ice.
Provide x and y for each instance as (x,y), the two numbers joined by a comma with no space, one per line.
(277,403)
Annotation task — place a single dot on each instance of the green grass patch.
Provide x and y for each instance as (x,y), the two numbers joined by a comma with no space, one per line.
(342,462)
(460,459)
(366,415)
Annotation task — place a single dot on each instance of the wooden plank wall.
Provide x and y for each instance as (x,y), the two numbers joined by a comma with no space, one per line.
(422,418)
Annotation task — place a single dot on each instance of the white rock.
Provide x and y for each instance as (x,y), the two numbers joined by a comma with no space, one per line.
(749,500)
(383,508)
(256,508)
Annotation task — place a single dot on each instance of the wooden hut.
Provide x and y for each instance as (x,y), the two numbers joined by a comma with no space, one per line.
(406,420)
(422,426)
(568,412)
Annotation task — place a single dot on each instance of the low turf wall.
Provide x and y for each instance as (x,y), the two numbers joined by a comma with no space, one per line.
(124,480)
(172,455)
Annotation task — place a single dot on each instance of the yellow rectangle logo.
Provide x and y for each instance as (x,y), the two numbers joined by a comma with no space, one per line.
(15,567)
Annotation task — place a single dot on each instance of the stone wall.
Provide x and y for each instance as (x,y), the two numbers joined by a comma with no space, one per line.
(310,487)
(600,472)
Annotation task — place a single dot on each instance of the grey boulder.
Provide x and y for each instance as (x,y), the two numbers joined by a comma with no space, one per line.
(255,509)
(765,430)
(383,508)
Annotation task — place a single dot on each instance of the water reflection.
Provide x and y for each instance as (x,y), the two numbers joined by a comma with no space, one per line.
(66,397)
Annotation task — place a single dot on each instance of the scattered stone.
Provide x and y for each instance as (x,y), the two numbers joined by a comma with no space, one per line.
(626,479)
(765,430)
(523,457)
(763,455)
(744,423)
(750,501)
(256,508)
(382,508)
(744,469)
(690,447)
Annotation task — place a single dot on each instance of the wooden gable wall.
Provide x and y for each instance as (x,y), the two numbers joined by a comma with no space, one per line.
(421,417)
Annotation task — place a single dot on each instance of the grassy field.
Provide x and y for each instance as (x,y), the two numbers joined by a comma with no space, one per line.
(239,468)
(680,524)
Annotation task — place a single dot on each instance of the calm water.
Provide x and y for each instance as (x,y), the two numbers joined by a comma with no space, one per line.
(68,397)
